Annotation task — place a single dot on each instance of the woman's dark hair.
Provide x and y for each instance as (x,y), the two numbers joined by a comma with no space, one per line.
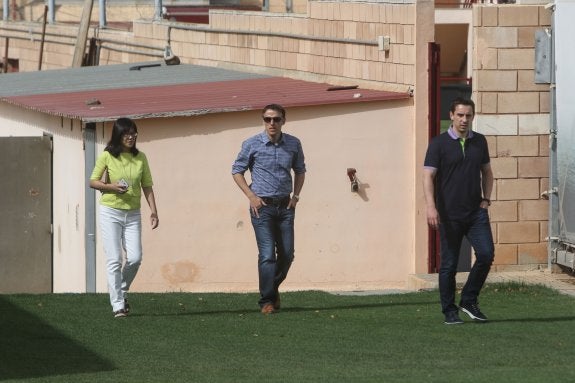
(275,107)
(121,127)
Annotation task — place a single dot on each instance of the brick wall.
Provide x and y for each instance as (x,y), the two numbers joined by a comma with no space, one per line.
(334,42)
(513,112)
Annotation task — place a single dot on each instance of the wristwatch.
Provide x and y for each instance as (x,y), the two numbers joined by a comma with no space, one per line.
(296,197)
(486,200)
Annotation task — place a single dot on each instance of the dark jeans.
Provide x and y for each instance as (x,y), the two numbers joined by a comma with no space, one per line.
(478,232)
(274,231)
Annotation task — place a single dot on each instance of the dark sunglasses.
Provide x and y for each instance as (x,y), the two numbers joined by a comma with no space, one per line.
(274,119)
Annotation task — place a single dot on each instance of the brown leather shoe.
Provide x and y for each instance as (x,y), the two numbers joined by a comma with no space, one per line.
(277,303)
(268,308)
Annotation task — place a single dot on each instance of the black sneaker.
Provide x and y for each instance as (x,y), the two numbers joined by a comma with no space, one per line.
(473,311)
(452,317)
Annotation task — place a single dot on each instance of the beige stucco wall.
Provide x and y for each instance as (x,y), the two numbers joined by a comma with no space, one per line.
(344,240)
(205,241)
(514,112)
(67,189)
(424,34)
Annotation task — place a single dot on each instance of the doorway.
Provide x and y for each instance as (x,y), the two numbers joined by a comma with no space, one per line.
(442,90)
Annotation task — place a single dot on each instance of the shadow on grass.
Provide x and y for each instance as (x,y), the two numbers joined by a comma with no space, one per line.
(355,307)
(287,309)
(542,320)
(30,348)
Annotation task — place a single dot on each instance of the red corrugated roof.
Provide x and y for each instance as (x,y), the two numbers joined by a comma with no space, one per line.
(194,99)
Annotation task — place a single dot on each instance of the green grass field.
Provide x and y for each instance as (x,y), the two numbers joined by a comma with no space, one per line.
(317,337)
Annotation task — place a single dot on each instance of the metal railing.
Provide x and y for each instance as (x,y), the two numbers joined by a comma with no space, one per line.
(468,3)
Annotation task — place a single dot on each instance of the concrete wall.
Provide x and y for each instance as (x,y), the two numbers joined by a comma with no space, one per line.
(344,240)
(374,240)
(68,182)
(514,112)
(205,241)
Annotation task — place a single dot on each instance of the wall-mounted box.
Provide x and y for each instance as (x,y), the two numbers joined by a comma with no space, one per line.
(383,43)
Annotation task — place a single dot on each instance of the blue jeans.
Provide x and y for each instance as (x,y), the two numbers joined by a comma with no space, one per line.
(274,231)
(478,232)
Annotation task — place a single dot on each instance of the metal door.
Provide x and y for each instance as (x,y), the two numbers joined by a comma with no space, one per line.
(26,209)
(554,63)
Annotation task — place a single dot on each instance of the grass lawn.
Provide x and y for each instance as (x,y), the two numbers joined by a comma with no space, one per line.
(317,337)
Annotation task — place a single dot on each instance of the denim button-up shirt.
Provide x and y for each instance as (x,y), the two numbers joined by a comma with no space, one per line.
(270,164)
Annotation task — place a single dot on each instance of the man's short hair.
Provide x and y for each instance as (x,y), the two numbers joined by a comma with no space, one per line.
(278,108)
(462,101)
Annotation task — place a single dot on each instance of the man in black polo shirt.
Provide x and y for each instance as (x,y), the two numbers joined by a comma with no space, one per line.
(458,181)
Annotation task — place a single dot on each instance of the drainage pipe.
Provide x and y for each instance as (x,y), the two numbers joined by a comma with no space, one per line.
(271,34)
(28,35)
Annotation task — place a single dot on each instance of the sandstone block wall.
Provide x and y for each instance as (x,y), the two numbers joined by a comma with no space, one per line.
(513,112)
(333,41)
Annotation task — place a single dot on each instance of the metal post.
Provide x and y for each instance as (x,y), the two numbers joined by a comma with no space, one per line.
(553,224)
(158,9)
(80,47)
(90,201)
(51,11)
(6,9)
(43,37)
(103,21)
(5,66)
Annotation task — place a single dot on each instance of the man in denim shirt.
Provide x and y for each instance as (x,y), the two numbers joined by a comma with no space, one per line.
(270,157)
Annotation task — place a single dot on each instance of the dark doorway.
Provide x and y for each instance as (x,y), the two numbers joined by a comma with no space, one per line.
(441,92)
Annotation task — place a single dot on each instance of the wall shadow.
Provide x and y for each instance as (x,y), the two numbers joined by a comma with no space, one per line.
(30,348)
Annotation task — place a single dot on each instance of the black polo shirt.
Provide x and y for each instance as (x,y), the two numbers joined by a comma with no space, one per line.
(458,178)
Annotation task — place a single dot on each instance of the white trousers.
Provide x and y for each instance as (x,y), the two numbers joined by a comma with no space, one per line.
(121,234)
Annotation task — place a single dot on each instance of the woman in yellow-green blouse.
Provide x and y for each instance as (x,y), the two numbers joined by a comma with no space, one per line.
(128,174)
